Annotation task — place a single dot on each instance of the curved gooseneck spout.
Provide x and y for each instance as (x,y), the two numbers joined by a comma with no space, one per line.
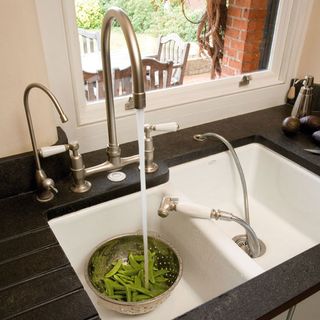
(139,100)
(45,185)
(204,136)
(253,242)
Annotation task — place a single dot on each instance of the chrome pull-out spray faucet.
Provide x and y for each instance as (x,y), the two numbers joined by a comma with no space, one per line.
(193,210)
(46,187)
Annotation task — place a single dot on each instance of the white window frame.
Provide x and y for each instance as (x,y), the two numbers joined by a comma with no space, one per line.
(211,100)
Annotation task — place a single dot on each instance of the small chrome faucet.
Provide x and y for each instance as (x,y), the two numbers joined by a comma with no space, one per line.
(45,185)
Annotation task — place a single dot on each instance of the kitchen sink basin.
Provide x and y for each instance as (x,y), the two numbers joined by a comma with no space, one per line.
(212,263)
(283,201)
(283,212)
(283,198)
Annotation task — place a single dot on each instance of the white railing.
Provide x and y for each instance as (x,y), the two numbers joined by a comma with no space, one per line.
(89,41)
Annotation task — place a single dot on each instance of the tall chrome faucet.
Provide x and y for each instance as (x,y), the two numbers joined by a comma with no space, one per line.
(114,160)
(139,97)
(45,185)
(138,101)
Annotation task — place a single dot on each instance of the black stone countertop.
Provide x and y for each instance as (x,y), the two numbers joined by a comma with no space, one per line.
(38,282)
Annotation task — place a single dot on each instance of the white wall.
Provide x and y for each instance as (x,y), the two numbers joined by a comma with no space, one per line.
(310,61)
(22,62)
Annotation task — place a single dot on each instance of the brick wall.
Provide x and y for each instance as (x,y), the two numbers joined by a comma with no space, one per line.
(244,36)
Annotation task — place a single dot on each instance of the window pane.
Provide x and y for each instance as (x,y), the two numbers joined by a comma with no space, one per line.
(179,45)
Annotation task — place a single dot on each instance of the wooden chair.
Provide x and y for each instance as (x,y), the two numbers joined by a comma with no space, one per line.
(157,75)
(173,48)
(93,84)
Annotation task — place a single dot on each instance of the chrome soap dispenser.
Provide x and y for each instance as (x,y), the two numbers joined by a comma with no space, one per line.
(302,106)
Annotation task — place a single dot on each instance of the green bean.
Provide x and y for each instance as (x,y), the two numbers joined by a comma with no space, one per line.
(137,281)
(123,276)
(127,267)
(109,287)
(141,297)
(121,292)
(114,270)
(161,279)
(141,276)
(134,296)
(129,273)
(151,275)
(134,263)
(161,286)
(138,257)
(156,292)
(126,279)
(119,280)
(128,294)
(115,285)
(116,297)
(158,273)
(141,289)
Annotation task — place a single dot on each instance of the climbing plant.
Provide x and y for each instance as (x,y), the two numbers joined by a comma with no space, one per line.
(210,33)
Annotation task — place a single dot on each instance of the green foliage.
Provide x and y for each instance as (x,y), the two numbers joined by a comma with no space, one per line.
(147,16)
(173,21)
(89,13)
(138,11)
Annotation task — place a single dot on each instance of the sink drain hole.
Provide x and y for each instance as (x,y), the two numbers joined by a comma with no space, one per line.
(242,242)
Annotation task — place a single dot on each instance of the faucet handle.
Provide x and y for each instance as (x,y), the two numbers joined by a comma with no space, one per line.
(168,126)
(52,150)
(151,166)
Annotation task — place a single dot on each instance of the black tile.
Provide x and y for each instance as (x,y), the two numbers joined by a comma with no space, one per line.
(31,266)
(20,214)
(37,291)
(17,173)
(26,243)
(76,306)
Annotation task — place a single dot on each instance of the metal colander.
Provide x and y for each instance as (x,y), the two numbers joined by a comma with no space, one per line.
(166,257)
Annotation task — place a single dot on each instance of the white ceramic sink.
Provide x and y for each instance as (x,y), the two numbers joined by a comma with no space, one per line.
(283,198)
(212,263)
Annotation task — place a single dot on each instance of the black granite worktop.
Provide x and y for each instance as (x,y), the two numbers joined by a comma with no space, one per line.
(38,282)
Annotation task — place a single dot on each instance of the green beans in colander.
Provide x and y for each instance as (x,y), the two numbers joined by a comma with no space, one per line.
(125,280)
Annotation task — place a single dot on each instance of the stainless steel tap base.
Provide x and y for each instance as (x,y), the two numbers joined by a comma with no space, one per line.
(151,168)
(81,188)
(45,196)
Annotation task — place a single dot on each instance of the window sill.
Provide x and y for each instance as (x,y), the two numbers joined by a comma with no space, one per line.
(183,95)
